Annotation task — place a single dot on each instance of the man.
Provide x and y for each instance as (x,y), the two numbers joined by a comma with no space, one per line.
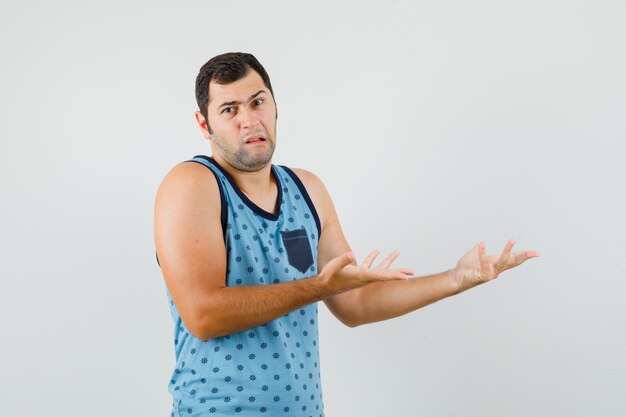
(247,248)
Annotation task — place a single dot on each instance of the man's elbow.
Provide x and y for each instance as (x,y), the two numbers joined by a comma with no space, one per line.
(199,331)
(349,321)
(203,328)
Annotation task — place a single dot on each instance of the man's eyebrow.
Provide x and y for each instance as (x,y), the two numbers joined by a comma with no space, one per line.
(230,103)
(256,94)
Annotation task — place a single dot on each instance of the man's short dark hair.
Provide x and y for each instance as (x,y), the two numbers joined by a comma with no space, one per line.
(225,69)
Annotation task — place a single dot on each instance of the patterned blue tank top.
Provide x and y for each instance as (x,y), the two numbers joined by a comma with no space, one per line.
(272,369)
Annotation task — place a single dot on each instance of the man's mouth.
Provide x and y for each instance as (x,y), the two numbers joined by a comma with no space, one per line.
(255,139)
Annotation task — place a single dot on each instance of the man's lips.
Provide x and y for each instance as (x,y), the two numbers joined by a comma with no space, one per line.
(255,139)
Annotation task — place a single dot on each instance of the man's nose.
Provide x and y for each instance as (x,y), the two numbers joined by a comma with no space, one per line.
(247,119)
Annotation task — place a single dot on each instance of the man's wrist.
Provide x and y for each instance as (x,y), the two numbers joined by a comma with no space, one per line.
(454,281)
(326,286)
(323,286)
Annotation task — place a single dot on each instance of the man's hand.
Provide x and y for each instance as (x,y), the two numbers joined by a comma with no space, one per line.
(342,271)
(475,267)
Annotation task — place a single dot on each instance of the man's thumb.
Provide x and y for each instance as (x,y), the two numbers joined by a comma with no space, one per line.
(347,258)
(339,262)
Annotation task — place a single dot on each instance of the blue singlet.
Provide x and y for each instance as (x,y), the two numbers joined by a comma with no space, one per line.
(272,369)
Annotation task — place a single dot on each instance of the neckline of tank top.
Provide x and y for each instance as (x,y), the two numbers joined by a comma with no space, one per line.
(256,209)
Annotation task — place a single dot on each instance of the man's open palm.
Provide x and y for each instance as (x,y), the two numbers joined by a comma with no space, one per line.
(476,267)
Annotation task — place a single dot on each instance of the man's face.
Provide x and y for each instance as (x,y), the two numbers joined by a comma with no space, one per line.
(242,116)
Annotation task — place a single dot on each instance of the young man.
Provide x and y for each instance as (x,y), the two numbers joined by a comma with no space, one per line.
(247,248)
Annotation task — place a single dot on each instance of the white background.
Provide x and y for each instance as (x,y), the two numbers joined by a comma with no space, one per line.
(434,125)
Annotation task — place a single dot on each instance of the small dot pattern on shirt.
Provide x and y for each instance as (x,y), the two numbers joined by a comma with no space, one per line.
(272,369)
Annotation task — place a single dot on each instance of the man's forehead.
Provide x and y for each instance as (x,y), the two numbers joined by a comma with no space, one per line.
(239,90)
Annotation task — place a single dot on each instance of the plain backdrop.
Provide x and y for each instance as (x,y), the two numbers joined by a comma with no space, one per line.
(434,124)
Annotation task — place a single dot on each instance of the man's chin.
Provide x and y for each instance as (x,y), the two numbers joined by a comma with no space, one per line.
(253,164)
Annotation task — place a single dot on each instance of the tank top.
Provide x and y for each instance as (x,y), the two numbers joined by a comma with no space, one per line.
(272,369)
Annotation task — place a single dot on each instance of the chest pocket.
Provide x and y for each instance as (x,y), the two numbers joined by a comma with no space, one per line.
(298,249)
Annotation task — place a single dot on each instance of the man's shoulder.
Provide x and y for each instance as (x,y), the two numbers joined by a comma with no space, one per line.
(309,179)
(315,188)
(190,172)
(189,181)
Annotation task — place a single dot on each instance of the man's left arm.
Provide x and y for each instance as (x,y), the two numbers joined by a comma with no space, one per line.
(384,300)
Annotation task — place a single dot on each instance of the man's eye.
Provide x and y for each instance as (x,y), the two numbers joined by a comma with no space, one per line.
(228,110)
(258,101)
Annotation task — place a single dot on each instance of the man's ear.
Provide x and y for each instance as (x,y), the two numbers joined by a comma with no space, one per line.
(202,124)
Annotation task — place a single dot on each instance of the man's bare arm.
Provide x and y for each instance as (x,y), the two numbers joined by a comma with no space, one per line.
(384,300)
(192,254)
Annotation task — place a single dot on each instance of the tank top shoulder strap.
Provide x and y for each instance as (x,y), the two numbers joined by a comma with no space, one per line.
(292,175)
(207,162)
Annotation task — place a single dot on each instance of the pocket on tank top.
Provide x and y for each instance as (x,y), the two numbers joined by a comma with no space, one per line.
(298,249)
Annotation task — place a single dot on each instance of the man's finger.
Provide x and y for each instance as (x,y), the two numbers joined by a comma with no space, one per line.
(519,257)
(367,262)
(389,260)
(502,262)
(401,273)
(405,271)
(484,264)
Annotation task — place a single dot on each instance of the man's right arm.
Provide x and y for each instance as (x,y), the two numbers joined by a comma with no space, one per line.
(190,245)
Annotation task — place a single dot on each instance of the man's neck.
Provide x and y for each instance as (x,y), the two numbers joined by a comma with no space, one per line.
(258,186)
